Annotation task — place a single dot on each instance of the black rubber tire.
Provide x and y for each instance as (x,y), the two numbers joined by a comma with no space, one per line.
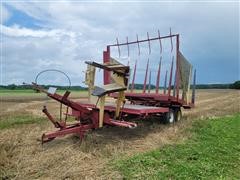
(177,114)
(169,117)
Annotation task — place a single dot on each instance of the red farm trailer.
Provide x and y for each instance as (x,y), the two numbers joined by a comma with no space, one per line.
(117,100)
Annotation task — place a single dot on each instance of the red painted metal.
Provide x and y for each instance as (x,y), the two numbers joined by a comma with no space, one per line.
(106,59)
(158,75)
(166,99)
(149,45)
(149,82)
(170,78)
(128,47)
(194,87)
(154,99)
(87,115)
(165,83)
(137,44)
(171,40)
(131,108)
(134,75)
(71,129)
(178,68)
(145,40)
(146,75)
(120,123)
(54,122)
(159,66)
(138,104)
(175,84)
(119,52)
(160,42)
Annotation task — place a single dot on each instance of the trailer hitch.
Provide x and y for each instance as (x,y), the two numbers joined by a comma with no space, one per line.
(64,128)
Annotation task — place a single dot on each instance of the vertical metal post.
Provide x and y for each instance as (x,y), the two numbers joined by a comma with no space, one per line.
(145,80)
(170,79)
(134,75)
(119,103)
(194,87)
(149,45)
(177,68)
(119,53)
(159,66)
(106,59)
(175,84)
(158,75)
(165,83)
(138,46)
(128,47)
(171,39)
(101,110)
(160,42)
(149,82)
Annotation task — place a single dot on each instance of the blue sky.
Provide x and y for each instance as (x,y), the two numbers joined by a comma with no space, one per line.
(61,35)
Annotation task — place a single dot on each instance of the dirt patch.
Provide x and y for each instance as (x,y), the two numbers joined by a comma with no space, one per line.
(22,155)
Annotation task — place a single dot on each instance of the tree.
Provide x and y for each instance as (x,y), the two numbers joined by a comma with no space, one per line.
(12,86)
(235,85)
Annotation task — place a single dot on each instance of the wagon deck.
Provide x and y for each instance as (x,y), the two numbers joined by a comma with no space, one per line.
(134,109)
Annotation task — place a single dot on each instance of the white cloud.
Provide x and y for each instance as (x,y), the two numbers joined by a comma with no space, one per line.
(73,32)
(27,52)
(17,31)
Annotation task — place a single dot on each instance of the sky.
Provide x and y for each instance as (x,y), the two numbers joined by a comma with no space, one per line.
(41,35)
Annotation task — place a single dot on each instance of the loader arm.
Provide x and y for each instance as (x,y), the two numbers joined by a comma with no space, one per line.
(62,99)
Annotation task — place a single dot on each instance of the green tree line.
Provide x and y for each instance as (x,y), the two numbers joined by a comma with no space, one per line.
(235,85)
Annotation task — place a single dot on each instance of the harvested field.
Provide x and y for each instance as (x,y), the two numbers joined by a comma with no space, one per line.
(23,157)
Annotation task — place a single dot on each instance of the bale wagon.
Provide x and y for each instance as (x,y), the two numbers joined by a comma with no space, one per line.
(115,102)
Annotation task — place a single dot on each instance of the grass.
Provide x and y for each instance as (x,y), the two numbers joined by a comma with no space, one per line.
(26,92)
(31,93)
(213,152)
(14,121)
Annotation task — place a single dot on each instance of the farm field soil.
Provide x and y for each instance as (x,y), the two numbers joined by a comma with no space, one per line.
(23,157)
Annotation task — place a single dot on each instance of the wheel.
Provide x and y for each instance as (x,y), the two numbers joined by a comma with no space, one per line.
(178,114)
(169,117)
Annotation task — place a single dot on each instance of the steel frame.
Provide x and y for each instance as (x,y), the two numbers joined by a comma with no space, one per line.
(88,115)
(157,97)
(92,116)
